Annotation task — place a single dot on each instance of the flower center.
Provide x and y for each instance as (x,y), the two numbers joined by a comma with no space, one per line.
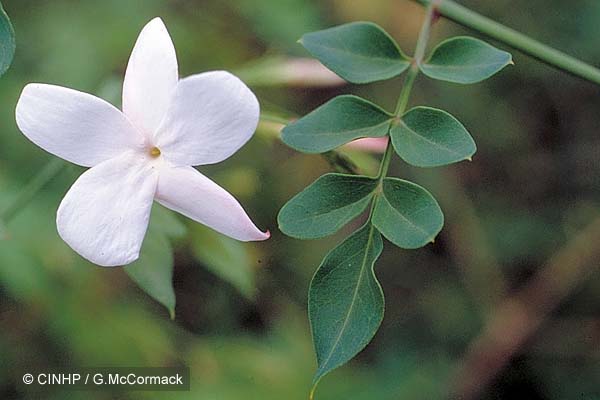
(155,152)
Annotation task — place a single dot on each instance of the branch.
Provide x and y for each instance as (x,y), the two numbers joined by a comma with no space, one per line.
(517,40)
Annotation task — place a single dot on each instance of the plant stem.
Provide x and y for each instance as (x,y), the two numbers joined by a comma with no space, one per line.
(49,172)
(413,72)
(341,162)
(515,39)
(409,81)
(268,117)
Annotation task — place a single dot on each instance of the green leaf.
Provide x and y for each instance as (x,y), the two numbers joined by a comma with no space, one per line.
(427,137)
(226,258)
(337,122)
(22,274)
(153,271)
(359,52)
(326,205)
(7,41)
(406,214)
(167,222)
(465,60)
(279,23)
(345,301)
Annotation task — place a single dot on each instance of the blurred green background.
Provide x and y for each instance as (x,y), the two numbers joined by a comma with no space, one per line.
(241,323)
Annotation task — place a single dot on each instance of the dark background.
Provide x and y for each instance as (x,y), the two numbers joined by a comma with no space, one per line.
(505,303)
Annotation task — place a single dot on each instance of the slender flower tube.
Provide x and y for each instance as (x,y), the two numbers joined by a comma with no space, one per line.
(144,153)
(371,145)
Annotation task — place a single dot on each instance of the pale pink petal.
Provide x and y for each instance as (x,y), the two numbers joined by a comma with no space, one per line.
(105,214)
(212,115)
(73,125)
(373,145)
(151,78)
(308,72)
(187,191)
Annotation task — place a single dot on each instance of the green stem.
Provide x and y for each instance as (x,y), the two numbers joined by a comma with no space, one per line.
(268,117)
(413,72)
(515,39)
(385,162)
(425,32)
(409,81)
(341,162)
(49,172)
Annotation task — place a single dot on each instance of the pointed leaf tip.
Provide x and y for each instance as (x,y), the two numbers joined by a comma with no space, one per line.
(153,271)
(345,301)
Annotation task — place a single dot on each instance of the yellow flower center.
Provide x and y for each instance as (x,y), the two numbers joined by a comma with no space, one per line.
(155,152)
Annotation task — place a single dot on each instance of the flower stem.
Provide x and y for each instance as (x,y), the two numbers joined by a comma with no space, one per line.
(269,117)
(341,162)
(515,39)
(49,172)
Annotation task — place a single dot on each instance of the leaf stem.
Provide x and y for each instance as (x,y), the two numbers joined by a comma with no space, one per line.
(49,172)
(341,162)
(515,39)
(268,117)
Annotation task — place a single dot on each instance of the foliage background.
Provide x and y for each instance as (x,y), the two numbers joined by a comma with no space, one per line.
(241,321)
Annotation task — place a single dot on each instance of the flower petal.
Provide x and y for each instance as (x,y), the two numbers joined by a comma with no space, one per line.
(212,115)
(187,191)
(105,214)
(73,125)
(151,78)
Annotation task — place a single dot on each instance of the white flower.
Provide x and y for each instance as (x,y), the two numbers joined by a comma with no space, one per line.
(144,153)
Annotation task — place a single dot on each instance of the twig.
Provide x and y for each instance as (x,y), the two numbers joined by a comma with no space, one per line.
(517,40)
